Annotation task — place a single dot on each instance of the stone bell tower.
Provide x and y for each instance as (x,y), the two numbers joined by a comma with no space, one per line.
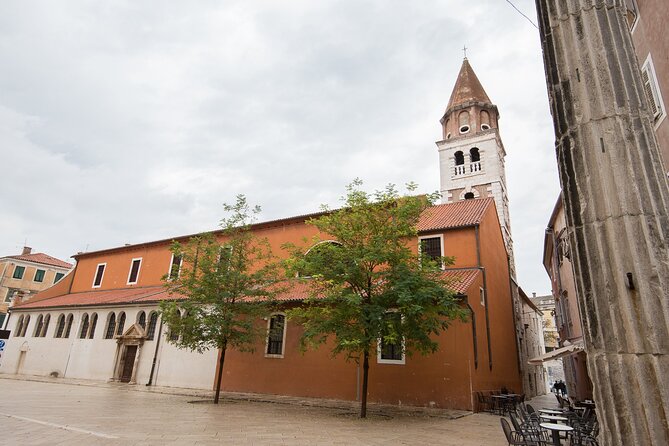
(471,153)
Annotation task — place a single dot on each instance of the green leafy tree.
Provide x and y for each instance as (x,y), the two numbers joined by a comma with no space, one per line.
(226,282)
(368,284)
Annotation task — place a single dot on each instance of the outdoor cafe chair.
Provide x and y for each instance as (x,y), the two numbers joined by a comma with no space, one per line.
(515,438)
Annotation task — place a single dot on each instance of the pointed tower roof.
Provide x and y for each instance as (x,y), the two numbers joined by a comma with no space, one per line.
(467,88)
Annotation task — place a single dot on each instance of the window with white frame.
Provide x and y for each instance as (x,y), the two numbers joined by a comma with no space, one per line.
(652,89)
(99,274)
(390,348)
(175,267)
(11,292)
(133,275)
(276,335)
(18,272)
(39,275)
(57,277)
(431,247)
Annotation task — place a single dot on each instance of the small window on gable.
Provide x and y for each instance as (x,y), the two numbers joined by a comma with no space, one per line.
(469,196)
(99,273)
(276,334)
(153,321)
(111,326)
(652,90)
(18,272)
(58,276)
(94,323)
(430,247)
(391,348)
(39,275)
(83,331)
(134,271)
(459,158)
(68,325)
(175,267)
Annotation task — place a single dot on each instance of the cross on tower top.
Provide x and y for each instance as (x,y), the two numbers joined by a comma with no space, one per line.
(464,49)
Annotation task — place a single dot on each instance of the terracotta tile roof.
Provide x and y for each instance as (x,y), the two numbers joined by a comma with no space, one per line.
(454,215)
(41,258)
(461,279)
(467,88)
(106,297)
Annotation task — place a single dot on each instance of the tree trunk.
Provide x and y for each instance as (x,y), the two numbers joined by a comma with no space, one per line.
(221,361)
(365,375)
(616,202)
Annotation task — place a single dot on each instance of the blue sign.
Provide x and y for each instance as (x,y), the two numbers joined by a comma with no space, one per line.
(2,344)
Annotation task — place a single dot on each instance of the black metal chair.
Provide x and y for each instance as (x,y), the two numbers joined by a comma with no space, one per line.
(515,438)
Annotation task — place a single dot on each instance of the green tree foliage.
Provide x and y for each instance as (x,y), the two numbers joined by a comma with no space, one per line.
(226,283)
(368,284)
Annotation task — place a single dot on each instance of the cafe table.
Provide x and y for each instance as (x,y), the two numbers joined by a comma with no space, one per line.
(551,411)
(555,431)
(553,417)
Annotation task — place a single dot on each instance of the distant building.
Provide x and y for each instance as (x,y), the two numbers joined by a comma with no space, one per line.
(557,261)
(547,306)
(531,342)
(24,275)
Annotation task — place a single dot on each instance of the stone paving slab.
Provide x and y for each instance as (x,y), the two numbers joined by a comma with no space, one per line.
(42,412)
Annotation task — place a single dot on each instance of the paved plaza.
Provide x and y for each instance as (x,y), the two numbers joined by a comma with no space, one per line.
(67,413)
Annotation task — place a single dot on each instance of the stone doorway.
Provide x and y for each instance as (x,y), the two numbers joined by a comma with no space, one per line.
(128,354)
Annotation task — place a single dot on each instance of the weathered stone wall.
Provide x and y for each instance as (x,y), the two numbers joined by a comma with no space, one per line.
(616,202)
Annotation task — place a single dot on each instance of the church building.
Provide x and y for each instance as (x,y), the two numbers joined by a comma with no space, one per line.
(101,322)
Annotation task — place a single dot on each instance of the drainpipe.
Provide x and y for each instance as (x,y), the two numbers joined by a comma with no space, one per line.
(155,354)
(485,294)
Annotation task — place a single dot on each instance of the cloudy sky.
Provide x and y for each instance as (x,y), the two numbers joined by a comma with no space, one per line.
(127,121)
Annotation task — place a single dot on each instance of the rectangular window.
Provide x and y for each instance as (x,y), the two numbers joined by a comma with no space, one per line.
(391,352)
(39,275)
(276,334)
(482,292)
(175,267)
(431,247)
(58,277)
(18,272)
(652,90)
(99,273)
(134,271)
(632,11)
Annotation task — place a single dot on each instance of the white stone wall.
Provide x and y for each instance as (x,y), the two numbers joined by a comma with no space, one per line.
(95,359)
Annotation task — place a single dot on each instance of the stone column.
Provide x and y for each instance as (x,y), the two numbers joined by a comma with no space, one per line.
(616,201)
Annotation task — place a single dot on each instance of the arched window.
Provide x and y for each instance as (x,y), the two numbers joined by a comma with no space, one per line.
(469,195)
(45,326)
(321,252)
(463,120)
(153,321)
(111,326)
(83,331)
(94,322)
(141,319)
(474,154)
(447,133)
(26,322)
(485,120)
(19,327)
(276,331)
(60,326)
(121,323)
(38,327)
(68,325)
(459,158)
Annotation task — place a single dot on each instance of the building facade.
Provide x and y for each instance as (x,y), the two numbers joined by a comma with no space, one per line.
(647,19)
(558,264)
(531,341)
(101,322)
(22,276)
